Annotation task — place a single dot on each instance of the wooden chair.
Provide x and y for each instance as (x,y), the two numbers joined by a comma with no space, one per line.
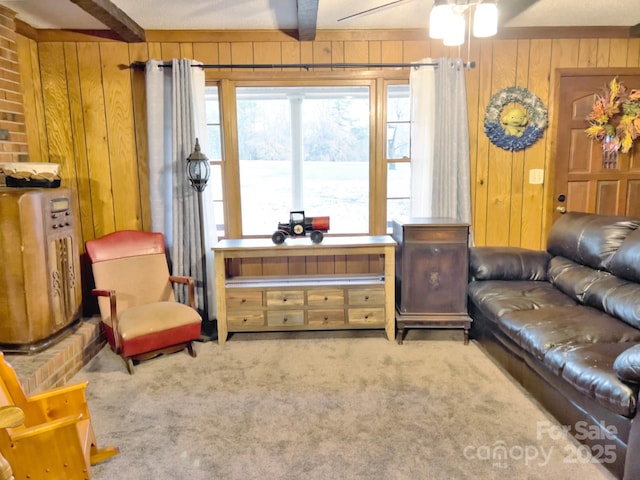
(140,315)
(56,438)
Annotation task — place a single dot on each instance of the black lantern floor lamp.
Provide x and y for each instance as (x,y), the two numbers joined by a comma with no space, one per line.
(198,172)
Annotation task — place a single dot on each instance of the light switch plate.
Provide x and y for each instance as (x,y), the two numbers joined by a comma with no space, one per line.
(536,176)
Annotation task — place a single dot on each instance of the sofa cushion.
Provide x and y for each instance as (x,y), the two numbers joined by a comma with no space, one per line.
(496,297)
(627,365)
(589,369)
(507,263)
(617,297)
(589,239)
(572,278)
(538,331)
(625,263)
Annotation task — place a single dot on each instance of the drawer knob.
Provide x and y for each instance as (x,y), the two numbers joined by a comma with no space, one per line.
(326,298)
(366,297)
(284,299)
(243,300)
(284,320)
(245,319)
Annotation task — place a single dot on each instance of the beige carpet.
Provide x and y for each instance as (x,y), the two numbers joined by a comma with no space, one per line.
(324,406)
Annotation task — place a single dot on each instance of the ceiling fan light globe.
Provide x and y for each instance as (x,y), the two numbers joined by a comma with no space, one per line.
(454,35)
(485,20)
(438,21)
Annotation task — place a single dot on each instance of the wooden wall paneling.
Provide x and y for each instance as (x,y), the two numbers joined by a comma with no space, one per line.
(588,52)
(618,52)
(79,135)
(391,51)
(290,52)
(120,129)
(206,53)
(356,51)
(518,158)
(321,54)
(633,52)
(57,113)
(475,113)
(224,54)
(186,50)
(480,200)
(241,52)
(413,50)
(35,126)
(602,59)
(337,54)
(375,51)
(170,50)
(500,160)
(306,52)
(267,53)
(357,264)
(99,174)
(138,52)
(531,235)
(155,50)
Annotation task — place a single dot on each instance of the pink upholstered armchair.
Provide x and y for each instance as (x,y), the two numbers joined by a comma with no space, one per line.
(140,315)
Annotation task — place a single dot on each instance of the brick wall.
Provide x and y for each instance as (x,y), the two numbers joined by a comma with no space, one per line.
(13,138)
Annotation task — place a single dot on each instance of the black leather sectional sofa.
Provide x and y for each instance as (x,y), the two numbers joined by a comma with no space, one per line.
(565,323)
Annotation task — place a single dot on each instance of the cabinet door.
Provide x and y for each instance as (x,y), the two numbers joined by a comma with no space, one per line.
(435,278)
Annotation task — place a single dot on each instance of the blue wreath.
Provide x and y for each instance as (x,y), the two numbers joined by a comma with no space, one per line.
(536,114)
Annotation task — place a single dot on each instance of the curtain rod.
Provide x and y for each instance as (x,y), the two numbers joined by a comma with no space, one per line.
(305,66)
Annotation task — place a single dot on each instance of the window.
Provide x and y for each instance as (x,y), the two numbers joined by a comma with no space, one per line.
(398,153)
(214,152)
(289,142)
(304,148)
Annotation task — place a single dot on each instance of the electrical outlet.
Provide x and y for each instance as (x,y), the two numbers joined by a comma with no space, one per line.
(536,176)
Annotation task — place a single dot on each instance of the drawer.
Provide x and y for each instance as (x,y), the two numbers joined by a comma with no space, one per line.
(245,319)
(239,298)
(284,298)
(366,296)
(325,317)
(325,296)
(366,316)
(285,317)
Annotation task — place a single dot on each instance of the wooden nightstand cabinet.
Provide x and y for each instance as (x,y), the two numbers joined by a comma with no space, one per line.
(431,274)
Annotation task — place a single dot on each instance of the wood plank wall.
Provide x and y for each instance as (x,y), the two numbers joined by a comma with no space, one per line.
(85,110)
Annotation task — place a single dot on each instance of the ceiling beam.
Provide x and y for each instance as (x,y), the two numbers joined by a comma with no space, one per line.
(114,18)
(512,8)
(307,19)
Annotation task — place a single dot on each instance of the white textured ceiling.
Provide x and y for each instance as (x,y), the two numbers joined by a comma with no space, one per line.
(281,14)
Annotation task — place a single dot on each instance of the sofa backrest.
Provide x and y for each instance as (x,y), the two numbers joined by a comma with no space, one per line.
(589,239)
(596,261)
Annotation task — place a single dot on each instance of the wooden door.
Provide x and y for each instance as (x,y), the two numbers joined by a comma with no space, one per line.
(582,184)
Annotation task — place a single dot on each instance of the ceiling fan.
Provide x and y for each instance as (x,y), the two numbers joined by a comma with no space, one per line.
(507,11)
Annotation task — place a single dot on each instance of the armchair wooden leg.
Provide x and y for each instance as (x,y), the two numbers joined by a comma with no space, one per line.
(99,455)
(129,362)
(191,349)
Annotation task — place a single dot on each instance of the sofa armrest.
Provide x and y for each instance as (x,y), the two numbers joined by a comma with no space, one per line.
(507,263)
(627,365)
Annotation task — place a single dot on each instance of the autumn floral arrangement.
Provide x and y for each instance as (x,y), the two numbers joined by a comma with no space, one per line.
(615,118)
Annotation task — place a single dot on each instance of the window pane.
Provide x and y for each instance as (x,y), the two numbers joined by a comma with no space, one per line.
(304,148)
(398,105)
(398,135)
(214,153)
(398,190)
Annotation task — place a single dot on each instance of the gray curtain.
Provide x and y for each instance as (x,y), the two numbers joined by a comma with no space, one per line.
(449,188)
(175,118)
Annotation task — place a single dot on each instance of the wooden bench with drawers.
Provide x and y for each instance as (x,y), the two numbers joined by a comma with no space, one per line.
(342,283)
